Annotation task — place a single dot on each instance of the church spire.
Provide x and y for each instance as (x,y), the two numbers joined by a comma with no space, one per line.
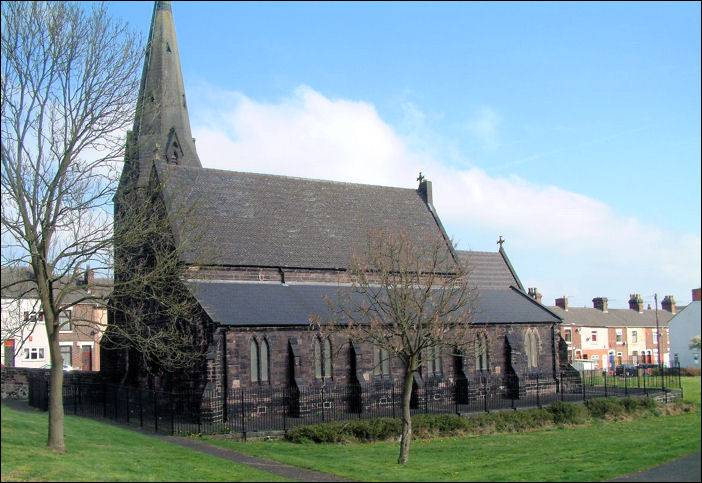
(161,126)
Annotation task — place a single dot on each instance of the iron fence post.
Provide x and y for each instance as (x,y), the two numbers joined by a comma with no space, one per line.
(104,400)
(485,408)
(605,383)
(626,389)
(392,391)
(243,415)
(141,410)
(323,415)
(153,394)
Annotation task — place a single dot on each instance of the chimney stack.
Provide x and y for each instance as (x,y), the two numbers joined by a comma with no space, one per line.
(668,304)
(600,303)
(636,302)
(696,295)
(562,303)
(89,276)
(533,293)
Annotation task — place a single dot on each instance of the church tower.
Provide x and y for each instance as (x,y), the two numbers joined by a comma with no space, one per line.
(161,129)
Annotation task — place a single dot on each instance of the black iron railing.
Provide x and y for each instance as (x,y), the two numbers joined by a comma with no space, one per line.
(268,408)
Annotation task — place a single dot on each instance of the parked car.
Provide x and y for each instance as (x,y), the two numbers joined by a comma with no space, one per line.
(625,370)
(66,367)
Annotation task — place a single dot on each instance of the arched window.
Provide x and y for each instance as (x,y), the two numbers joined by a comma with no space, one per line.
(381,361)
(433,361)
(264,361)
(254,361)
(317,359)
(531,345)
(481,355)
(322,358)
(259,361)
(327,369)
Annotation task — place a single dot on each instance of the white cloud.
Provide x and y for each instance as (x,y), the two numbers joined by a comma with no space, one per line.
(484,127)
(564,239)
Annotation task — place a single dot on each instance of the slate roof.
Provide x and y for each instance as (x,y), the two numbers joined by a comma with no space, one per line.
(17,283)
(488,269)
(274,304)
(591,317)
(245,219)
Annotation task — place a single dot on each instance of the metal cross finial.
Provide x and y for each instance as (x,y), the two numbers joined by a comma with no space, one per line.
(500,242)
(420,178)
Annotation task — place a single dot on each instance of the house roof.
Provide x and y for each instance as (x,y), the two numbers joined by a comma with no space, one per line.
(245,219)
(591,317)
(18,283)
(275,304)
(488,269)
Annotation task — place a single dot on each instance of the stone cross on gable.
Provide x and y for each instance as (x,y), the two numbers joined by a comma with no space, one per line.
(420,178)
(500,242)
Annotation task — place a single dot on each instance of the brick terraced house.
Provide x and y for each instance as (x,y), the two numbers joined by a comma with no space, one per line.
(603,338)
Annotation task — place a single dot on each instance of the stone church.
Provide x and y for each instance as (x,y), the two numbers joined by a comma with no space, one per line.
(273,246)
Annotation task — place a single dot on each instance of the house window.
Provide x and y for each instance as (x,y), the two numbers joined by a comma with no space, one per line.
(66,353)
(594,336)
(481,355)
(655,336)
(619,336)
(259,361)
(531,345)
(65,321)
(322,359)
(568,335)
(34,353)
(635,357)
(433,361)
(381,362)
(30,316)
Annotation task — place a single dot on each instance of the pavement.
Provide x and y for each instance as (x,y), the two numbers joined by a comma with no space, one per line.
(685,469)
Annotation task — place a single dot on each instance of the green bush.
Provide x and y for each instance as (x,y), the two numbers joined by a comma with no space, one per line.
(568,413)
(345,431)
(432,425)
(603,407)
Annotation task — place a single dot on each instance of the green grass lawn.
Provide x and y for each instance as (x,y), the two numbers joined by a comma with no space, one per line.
(102,452)
(595,452)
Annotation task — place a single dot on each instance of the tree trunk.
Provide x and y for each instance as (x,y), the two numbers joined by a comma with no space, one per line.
(56,440)
(406,437)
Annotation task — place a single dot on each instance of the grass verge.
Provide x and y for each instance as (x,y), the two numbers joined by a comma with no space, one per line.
(594,452)
(102,452)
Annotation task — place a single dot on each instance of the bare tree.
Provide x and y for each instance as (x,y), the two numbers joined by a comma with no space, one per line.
(69,80)
(409,298)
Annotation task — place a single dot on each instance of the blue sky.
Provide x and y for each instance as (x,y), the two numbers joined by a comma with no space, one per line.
(571,129)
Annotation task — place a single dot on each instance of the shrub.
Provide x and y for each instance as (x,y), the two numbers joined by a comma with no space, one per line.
(568,413)
(345,431)
(603,407)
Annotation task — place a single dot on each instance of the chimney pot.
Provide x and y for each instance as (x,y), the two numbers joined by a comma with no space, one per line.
(636,302)
(533,293)
(696,297)
(668,304)
(600,303)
